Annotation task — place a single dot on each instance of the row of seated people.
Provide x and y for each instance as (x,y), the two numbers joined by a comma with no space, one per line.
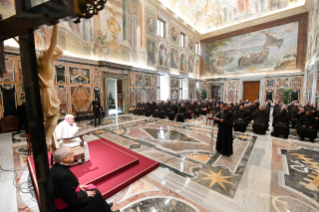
(185,108)
(304,119)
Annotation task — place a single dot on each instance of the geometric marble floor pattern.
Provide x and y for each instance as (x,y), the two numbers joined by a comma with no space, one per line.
(264,174)
(187,152)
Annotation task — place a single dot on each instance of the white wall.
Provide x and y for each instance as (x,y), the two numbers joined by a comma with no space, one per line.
(165,84)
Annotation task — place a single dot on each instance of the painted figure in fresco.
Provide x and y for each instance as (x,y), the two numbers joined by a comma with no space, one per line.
(101,45)
(278,4)
(183,63)
(46,73)
(162,55)
(115,29)
(174,59)
(191,65)
(150,53)
(174,34)
(150,24)
(8,3)
(40,40)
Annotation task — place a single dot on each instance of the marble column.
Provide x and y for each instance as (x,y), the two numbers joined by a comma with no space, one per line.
(87,30)
(126,95)
(142,52)
(125,45)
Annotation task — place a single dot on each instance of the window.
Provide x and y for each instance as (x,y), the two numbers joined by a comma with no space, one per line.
(160,28)
(197,48)
(182,40)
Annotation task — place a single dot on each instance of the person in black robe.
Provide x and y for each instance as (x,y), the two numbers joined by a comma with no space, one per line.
(22,115)
(141,109)
(198,109)
(65,184)
(225,119)
(148,109)
(138,105)
(281,124)
(276,110)
(307,106)
(97,109)
(182,113)
(156,110)
(173,111)
(307,127)
(240,122)
(163,110)
(260,121)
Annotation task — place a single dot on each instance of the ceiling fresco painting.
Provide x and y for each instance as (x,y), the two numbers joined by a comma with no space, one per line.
(210,15)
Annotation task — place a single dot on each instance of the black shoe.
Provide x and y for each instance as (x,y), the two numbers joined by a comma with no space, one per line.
(312,140)
(302,138)
(111,204)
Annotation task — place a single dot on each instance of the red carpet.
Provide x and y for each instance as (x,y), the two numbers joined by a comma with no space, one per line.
(111,167)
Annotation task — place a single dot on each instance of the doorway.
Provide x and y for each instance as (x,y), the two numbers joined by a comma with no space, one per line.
(216,93)
(115,96)
(251,91)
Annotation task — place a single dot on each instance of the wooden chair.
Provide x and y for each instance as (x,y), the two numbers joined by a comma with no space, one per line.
(78,150)
(210,117)
(29,144)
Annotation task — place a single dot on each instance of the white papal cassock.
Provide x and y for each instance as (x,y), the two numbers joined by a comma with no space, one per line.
(66,130)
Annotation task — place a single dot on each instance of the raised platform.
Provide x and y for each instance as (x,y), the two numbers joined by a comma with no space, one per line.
(111,168)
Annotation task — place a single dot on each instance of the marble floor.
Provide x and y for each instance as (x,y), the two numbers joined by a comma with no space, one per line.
(264,173)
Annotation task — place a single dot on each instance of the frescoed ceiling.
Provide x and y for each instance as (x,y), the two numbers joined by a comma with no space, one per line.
(210,15)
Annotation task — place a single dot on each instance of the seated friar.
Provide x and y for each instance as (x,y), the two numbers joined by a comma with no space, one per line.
(307,127)
(281,124)
(260,121)
(240,122)
(69,194)
(68,129)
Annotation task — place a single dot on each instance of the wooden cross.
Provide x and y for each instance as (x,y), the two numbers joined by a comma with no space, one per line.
(23,24)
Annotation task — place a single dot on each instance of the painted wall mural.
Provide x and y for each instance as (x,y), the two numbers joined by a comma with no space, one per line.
(174,58)
(175,88)
(116,35)
(150,53)
(313,31)
(174,34)
(231,89)
(275,87)
(80,99)
(142,88)
(265,50)
(79,76)
(162,55)
(207,16)
(183,63)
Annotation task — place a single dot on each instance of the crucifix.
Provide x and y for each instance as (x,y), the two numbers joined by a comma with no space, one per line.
(23,24)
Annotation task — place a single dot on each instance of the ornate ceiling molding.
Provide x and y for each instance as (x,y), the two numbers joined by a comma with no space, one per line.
(257,21)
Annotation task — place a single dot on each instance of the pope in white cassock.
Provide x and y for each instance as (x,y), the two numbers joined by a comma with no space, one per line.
(68,129)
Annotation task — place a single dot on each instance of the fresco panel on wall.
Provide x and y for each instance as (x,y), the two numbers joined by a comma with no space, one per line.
(270,49)
(79,75)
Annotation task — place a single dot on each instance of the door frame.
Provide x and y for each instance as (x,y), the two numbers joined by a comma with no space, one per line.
(220,84)
(125,89)
(261,87)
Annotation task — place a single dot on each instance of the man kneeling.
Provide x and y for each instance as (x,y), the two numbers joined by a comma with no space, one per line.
(281,124)
(68,129)
(65,186)
(306,127)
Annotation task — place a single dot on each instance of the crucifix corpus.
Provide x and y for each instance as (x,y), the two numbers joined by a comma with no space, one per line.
(23,24)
